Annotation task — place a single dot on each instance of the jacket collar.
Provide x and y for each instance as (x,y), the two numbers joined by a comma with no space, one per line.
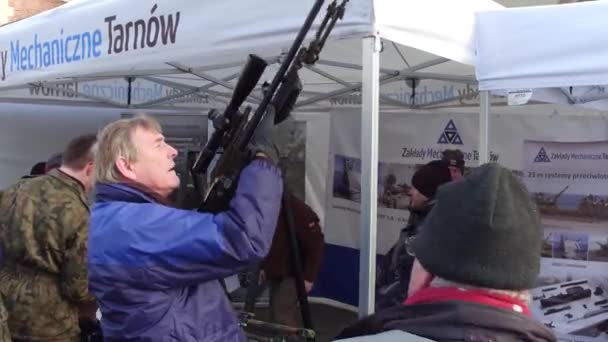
(454,320)
(105,192)
(72,183)
(441,294)
(466,321)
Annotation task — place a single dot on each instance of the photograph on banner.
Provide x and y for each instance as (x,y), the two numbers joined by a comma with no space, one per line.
(569,183)
(569,245)
(291,140)
(394,185)
(347,178)
(598,249)
(393,182)
(575,309)
(572,250)
(393,201)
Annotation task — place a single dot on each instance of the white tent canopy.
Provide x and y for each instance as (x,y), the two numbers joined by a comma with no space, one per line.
(100,38)
(180,43)
(559,46)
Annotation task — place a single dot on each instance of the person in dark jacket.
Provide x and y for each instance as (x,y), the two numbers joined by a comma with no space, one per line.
(154,269)
(394,271)
(475,261)
(277,269)
(36,170)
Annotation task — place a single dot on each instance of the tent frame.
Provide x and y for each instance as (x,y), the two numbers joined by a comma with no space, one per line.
(372,77)
(370,118)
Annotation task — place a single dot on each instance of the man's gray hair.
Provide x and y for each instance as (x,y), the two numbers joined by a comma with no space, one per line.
(115,141)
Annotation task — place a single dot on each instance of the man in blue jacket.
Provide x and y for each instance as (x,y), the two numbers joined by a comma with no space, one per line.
(155,269)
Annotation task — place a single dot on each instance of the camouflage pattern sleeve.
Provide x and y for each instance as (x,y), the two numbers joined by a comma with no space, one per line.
(74,281)
(5,336)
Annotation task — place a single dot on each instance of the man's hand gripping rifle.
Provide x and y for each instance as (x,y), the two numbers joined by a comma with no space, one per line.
(233,132)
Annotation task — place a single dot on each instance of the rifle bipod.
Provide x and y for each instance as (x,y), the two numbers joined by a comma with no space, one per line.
(257,330)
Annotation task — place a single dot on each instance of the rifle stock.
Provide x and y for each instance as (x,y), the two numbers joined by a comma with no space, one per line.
(226,172)
(226,125)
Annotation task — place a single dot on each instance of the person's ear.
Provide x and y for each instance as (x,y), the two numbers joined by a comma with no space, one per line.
(125,168)
(89,169)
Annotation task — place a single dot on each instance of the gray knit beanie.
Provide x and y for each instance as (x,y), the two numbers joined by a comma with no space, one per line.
(484,231)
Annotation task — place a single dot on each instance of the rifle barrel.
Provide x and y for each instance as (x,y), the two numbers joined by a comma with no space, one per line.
(257,117)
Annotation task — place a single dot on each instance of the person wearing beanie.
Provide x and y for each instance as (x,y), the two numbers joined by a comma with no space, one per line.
(475,261)
(425,183)
(394,271)
(455,160)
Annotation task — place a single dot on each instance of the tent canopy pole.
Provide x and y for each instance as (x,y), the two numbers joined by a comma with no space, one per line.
(369,173)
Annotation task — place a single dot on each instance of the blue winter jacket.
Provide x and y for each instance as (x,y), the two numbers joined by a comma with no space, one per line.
(154,270)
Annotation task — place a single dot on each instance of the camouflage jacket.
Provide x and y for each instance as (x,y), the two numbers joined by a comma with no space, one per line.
(43,237)
(5,336)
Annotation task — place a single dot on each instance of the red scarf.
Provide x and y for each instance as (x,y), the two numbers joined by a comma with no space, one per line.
(442,294)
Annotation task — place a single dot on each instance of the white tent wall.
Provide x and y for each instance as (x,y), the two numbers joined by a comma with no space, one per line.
(31,133)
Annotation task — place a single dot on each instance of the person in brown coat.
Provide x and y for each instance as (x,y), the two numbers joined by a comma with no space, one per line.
(277,270)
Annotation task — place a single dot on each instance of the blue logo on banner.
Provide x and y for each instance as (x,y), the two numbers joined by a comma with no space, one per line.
(450,135)
(542,156)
